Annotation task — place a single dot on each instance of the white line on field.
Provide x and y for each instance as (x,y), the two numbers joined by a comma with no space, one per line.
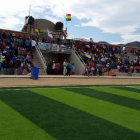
(135,87)
(10,89)
(18,89)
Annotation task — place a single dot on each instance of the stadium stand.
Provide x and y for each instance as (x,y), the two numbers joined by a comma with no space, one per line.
(103,58)
(16,54)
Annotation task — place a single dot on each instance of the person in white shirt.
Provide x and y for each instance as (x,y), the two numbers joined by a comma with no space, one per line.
(33,44)
(64,67)
(53,68)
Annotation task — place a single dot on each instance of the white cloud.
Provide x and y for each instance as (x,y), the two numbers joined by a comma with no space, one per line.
(116,43)
(10,22)
(131,37)
(77,25)
(117,17)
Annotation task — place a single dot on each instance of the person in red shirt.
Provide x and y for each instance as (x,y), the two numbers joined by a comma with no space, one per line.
(137,69)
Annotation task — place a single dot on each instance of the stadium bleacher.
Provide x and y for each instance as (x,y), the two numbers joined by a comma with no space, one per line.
(16,56)
(102,58)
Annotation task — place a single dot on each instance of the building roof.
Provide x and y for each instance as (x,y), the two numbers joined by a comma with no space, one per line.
(44,24)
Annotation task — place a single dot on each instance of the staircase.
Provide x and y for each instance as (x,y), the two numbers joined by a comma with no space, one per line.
(37,63)
(78,62)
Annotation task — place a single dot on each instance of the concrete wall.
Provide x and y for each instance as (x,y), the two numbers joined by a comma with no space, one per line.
(57,57)
(80,67)
(131,49)
(17,33)
(44,25)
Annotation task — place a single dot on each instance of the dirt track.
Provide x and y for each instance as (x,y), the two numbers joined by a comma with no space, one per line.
(12,82)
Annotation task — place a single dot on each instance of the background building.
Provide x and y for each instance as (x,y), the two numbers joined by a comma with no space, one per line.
(42,25)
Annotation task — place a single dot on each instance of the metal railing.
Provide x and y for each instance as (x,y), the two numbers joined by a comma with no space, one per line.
(78,55)
(41,57)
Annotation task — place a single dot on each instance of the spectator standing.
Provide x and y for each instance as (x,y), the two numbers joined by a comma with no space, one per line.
(0,65)
(73,69)
(1,60)
(57,68)
(137,69)
(14,60)
(64,67)
(68,68)
(92,71)
(33,44)
(53,68)
(18,64)
(22,67)
(11,68)
(6,67)
(27,43)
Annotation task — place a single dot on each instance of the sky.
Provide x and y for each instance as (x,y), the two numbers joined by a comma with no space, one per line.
(113,21)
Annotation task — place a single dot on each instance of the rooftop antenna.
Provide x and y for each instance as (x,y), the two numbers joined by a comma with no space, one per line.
(29,9)
(29,26)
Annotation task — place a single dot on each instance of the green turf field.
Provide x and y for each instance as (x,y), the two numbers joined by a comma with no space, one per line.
(70,113)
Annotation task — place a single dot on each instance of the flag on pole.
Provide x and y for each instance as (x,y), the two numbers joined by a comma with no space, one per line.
(61,34)
(65,33)
(68,17)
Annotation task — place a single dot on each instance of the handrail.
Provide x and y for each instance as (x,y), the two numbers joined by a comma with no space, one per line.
(43,61)
(78,55)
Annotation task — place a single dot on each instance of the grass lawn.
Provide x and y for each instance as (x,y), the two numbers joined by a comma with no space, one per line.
(70,113)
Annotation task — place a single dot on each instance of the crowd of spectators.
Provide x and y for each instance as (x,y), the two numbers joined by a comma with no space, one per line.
(16,54)
(128,66)
(100,58)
